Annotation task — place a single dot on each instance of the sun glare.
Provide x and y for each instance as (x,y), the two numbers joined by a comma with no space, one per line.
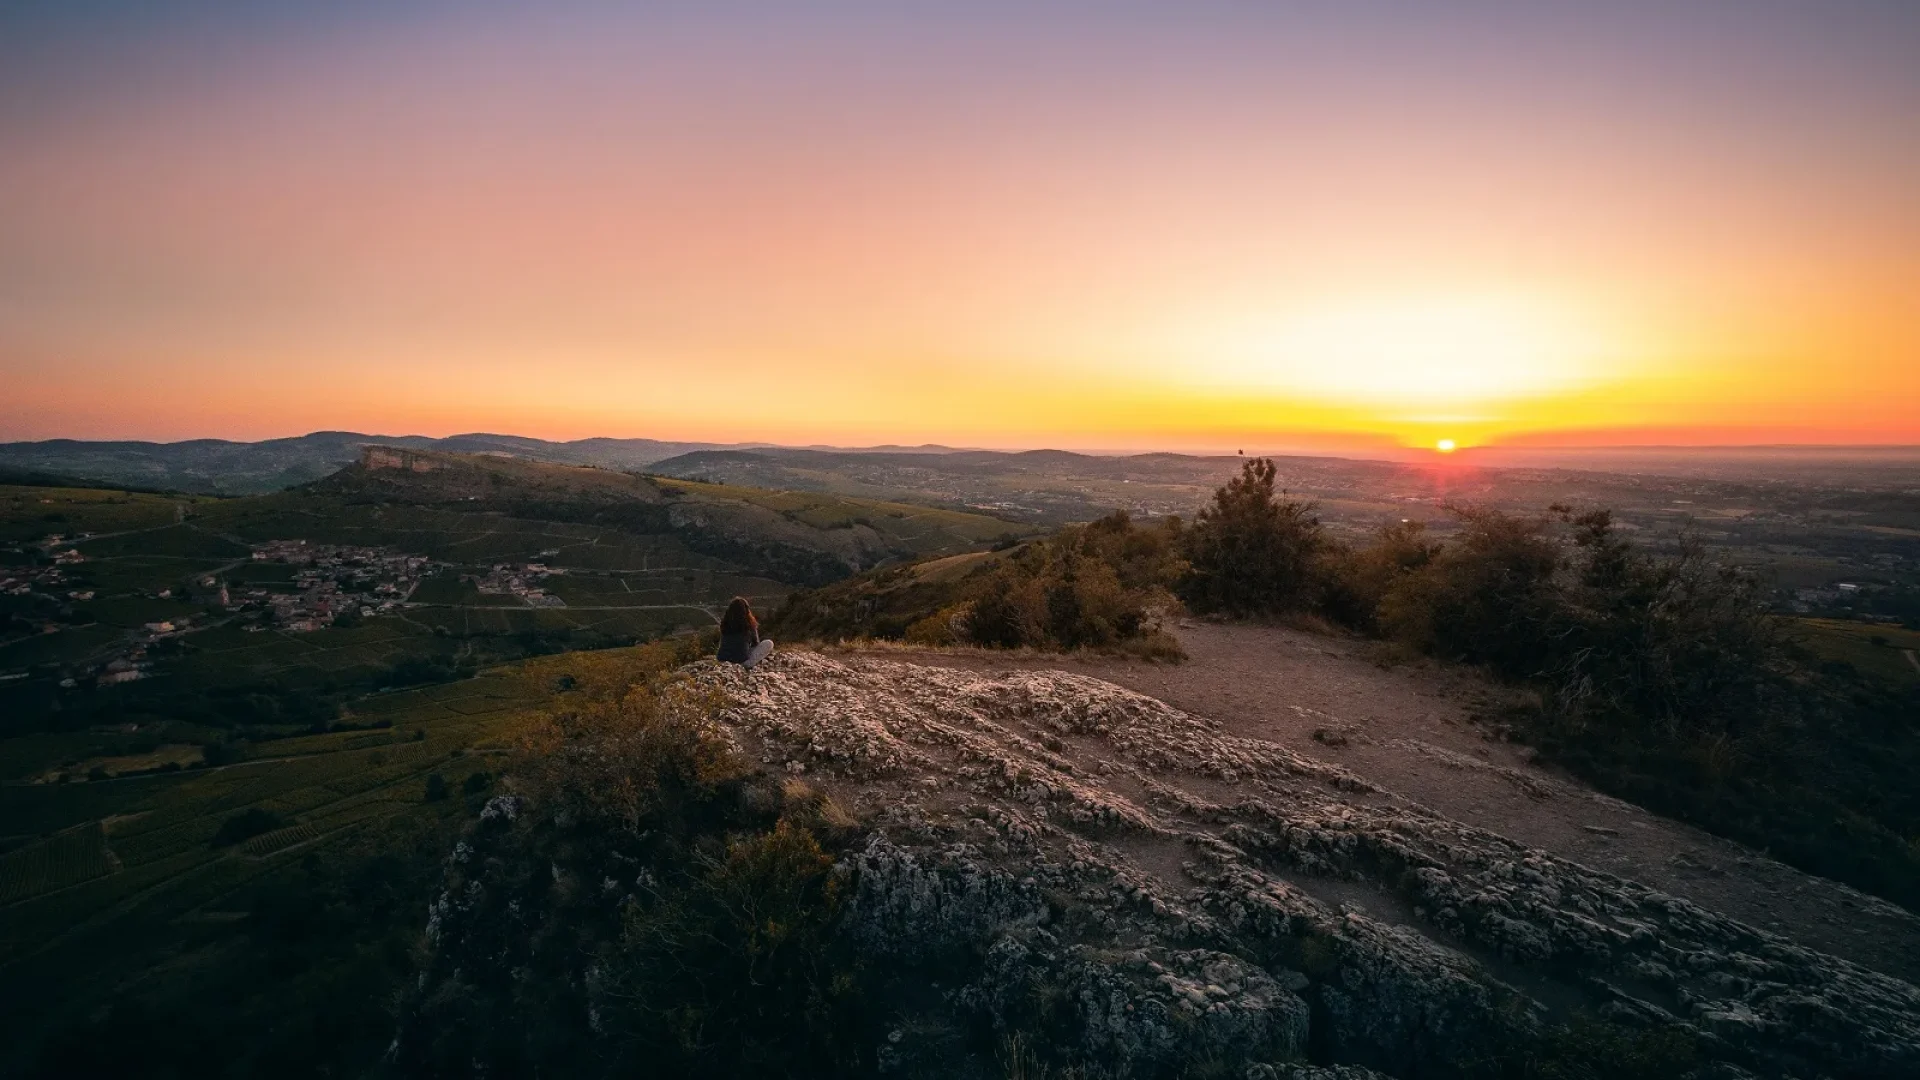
(1445,446)
(1449,351)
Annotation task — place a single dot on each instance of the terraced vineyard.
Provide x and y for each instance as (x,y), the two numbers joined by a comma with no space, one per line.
(100,879)
(149,839)
(66,858)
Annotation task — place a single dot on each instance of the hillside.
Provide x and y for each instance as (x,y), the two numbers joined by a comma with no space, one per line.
(793,537)
(129,925)
(220,466)
(381,576)
(1053,871)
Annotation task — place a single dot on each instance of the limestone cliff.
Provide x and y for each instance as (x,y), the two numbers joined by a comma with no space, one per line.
(388,457)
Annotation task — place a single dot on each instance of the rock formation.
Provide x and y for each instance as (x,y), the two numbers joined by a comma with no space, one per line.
(1186,896)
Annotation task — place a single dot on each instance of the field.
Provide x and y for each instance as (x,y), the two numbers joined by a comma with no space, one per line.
(1888,653)
(29,513)
(119,885)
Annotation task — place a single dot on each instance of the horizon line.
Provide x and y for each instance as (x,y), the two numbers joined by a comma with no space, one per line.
(930,446)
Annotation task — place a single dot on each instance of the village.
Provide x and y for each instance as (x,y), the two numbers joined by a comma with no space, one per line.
(333,580)
(27,580)
(324,585)
(505,579)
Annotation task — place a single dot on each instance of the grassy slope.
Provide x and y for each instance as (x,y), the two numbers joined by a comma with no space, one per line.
(30,513)
(878,604)
(1875,650)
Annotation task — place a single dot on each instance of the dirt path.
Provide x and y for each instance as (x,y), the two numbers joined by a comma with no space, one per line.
(1410,730)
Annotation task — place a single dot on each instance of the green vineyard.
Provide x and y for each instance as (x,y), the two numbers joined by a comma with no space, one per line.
(64,859)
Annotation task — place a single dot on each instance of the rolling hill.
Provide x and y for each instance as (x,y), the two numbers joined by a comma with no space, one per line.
(795,537)
(406,558)
(220,466)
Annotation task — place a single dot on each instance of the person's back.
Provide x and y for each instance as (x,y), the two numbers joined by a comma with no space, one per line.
(740,640)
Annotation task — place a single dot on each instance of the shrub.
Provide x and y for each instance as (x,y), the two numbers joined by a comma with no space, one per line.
(1682,642)
(1252,553)
(1489,597)
(247,824)
(653,905)
(1663,678)
(651,751)
(1101,585)
(733,970)
(1091,586)
(1355,582)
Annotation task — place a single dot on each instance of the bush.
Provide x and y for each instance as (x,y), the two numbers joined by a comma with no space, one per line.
(1677,643)
(246,825)
(733,970)
(1101,585)
(1490,597)
(1663,679)
(648,753)
(1354,583)
(1252,553)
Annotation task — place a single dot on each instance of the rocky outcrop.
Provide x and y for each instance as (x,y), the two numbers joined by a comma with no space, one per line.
(388,457)
(1200,895)
(1072,858)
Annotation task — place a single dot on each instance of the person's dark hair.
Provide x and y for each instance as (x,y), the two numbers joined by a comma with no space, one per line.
(739,617)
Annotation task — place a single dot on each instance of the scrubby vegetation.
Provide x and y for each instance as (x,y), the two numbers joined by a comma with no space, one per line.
(714,956)
(1662,677)
(1102,585)
(1251,553)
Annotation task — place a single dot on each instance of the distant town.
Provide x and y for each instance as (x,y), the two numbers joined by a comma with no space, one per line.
(325,585)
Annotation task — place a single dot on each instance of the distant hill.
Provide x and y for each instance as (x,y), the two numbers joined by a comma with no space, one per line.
(37,478)
(224,467)
(795,537)
(1047,487)
(217,466)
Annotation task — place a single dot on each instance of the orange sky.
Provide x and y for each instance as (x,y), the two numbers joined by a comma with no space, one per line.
(1098,227)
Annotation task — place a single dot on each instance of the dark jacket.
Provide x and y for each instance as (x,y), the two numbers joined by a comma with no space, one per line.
(735,647)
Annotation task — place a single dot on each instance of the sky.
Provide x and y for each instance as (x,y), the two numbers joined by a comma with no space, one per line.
(1203,225)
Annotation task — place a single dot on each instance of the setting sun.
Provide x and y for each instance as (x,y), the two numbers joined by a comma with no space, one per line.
(1445,446)
(1252,249)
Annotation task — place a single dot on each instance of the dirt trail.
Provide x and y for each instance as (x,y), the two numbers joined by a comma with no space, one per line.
(1410,730)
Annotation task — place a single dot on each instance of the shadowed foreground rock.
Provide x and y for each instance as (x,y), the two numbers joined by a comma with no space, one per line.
(1186,896)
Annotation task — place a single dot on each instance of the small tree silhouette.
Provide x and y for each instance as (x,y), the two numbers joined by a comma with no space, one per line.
(1252,553)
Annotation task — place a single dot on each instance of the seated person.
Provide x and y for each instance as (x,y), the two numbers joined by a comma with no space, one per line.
(740,640)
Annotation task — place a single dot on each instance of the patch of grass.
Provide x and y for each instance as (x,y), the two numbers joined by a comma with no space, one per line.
(30,513)
(1876,650)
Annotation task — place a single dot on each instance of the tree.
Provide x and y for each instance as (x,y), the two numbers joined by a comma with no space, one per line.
(1252,553)
(1491,596)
